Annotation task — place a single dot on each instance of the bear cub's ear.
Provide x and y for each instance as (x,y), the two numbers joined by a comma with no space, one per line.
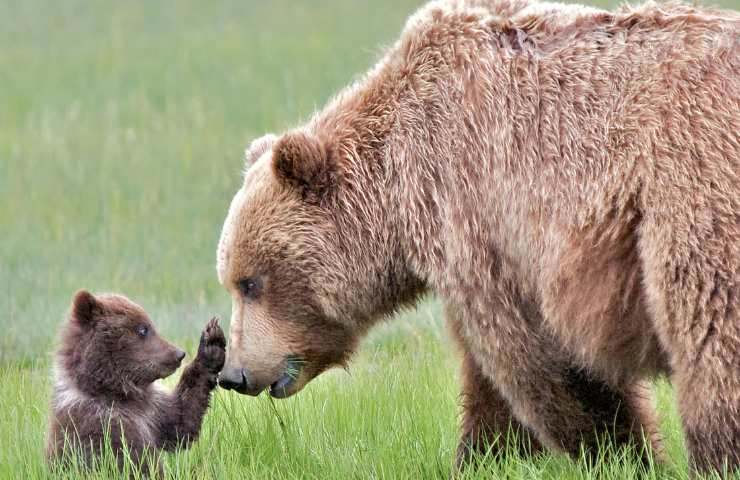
(302,161)
(85,307)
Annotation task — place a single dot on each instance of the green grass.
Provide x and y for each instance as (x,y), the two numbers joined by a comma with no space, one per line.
(122,127)
(393,415)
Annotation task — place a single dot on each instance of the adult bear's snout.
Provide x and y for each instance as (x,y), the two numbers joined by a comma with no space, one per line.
(238,379)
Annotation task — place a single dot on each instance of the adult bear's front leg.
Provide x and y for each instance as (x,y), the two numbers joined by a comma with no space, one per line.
(488,424)
(513,356)
(564,406)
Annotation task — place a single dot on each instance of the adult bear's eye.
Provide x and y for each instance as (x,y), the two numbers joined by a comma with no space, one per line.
(142,331)
(250,287)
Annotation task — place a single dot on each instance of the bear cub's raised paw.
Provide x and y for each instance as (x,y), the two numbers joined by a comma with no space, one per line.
(212,347)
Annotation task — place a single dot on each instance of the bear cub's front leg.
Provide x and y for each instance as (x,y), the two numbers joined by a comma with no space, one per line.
(183,413)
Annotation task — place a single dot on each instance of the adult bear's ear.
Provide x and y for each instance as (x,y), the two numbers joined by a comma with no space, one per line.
(257,148)
(85,307)
(302,161)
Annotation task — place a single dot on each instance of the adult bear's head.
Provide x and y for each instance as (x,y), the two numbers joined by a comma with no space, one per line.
(310,259)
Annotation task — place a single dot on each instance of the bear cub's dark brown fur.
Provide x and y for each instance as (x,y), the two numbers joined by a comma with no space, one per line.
(108,360)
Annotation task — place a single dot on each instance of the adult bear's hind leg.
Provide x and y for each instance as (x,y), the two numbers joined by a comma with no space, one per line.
(696,301)
(690,251)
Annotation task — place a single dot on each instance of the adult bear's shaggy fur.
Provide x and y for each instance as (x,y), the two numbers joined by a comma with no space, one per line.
(567,179)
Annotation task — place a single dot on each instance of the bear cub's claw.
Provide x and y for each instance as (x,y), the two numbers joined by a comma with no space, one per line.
(212,348)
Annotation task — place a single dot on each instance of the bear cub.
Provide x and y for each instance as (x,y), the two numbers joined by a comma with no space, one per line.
(109,357)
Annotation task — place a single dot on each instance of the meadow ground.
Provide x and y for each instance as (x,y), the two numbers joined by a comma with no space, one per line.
(122,127)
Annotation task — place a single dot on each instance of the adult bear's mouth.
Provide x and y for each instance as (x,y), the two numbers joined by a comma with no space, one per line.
(241,380)
(284,386)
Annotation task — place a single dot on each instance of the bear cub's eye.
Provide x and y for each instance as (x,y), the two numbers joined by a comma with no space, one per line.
(250,287)
(142,331)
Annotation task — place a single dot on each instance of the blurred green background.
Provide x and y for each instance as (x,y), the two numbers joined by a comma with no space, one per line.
(122,130)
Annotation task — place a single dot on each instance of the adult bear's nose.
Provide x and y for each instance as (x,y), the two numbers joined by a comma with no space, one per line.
(231,379)
(237,379)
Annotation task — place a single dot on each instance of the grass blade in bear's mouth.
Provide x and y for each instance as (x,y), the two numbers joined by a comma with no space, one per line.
(279,388)
(292,370)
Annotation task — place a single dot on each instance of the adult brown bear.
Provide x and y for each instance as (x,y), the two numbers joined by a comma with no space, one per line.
(566,179)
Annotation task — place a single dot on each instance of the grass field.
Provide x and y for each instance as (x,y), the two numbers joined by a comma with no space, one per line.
(122,127)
